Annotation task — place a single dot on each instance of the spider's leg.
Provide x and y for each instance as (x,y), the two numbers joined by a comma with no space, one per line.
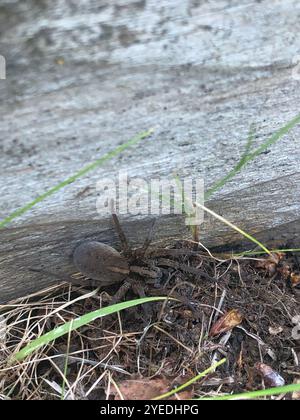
(121,234)
(148,240)
(164,262)
(139,289)
(120,294)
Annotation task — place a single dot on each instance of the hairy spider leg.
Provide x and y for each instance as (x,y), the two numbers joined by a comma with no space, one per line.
(148,240)
(120,294)
(125,247)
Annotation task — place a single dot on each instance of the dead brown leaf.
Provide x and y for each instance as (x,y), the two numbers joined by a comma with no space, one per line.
(270,377)
(270,263)
(285,271)
(146,389)
(295,278)
(227,322)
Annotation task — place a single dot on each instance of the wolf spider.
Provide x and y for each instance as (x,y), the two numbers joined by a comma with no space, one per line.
(136,268)
(101,265)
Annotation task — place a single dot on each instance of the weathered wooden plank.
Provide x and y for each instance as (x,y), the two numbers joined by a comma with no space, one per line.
(85,76)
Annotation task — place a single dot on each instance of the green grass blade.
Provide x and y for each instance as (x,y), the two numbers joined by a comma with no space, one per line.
(242,162)
(274,138)
(273,251)
(257,394)
(77,323)
(63,388)
(79,174)
(191,381)
(249,156)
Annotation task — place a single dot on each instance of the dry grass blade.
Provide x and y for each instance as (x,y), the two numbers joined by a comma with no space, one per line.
(234,227)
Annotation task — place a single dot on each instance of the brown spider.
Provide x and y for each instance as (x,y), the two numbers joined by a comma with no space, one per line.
(101,265)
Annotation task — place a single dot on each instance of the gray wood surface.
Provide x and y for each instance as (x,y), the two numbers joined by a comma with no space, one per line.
(85,76)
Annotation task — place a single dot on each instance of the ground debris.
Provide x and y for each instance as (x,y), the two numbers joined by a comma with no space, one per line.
(296,394)
(237,309)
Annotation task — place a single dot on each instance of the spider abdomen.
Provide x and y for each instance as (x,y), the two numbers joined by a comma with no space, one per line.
(100,262)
